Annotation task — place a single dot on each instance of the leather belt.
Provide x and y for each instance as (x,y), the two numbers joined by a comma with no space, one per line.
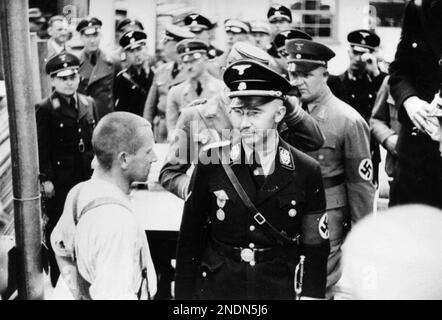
(333,181)
(255,255)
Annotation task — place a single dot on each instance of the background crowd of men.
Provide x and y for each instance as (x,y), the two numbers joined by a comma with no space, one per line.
(329,129)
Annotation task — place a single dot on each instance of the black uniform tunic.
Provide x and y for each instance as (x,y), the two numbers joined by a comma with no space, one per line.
(209,264)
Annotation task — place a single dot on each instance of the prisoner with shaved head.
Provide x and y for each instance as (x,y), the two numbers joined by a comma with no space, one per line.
(101,250)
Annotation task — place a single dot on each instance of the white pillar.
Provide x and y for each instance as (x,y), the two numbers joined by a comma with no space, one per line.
(146,12)
(105,11)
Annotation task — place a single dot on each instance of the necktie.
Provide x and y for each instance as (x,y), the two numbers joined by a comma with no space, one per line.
(73,104)
(94,58)
(199,88)
(175,70)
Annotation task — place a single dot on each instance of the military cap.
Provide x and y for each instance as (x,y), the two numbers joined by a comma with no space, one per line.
(191,48)
(131,22)
(62,65)
(243,50)
(89,26)
(251,78)
(363,40)
(133,39)
(283,36)
(306,55)
(197,22)
(236,26)
(177,33)
(259,26)
(277,12)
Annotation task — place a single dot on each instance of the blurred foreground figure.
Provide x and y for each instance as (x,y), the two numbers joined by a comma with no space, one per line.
(403,260)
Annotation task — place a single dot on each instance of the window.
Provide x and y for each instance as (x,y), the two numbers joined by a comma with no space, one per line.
(316,17)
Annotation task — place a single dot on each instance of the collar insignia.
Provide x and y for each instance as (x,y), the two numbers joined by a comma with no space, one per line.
(285,158)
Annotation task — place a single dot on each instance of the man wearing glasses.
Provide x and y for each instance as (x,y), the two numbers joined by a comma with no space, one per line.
(65,122)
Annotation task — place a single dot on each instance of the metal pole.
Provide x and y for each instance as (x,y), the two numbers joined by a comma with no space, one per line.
(14,27)
(42,48)
(35,67)
(2,74)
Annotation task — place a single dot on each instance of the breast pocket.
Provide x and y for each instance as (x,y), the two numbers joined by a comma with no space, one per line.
(327,154)
(292,205)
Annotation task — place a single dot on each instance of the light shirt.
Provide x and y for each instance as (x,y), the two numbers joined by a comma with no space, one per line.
(266,155)
(55,46)
(110,247)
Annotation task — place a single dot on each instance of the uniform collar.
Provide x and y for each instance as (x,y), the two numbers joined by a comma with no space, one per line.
(265,155)
(57,48)
(321,100)
(64,99)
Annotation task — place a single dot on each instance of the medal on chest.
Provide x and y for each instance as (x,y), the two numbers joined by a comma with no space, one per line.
(221,199)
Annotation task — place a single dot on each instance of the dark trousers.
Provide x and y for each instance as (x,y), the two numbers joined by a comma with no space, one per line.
(417,185)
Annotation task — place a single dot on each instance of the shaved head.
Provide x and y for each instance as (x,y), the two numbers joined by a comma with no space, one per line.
(119,132)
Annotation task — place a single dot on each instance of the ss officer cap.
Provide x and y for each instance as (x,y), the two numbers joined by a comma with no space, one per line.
(133,39)
(363,40)
(89,26)
(197,22)
(191,48)
(129,22)
(279,12)
(307,55)
(251,78)
(282,37)
(62,65)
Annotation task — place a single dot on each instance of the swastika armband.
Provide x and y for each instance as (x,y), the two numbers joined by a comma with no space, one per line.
(358,170)
(314,228)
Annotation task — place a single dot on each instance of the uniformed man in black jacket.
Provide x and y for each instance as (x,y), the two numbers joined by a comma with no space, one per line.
(133,83)
(360,83)
(65,122)
(225,250)
(416,76)
(97,68)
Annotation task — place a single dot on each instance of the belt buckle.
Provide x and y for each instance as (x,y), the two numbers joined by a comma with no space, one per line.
(247,255)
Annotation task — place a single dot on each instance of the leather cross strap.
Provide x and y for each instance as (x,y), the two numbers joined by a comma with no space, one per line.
(279,236)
